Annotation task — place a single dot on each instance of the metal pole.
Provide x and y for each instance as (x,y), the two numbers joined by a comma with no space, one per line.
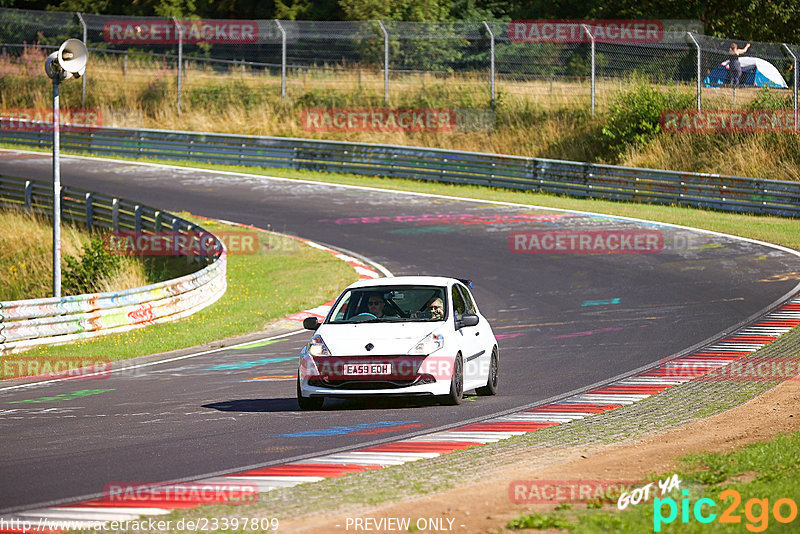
(283,59)
(794,68)
(491,67)
(56,194)
(586,29)
(385,63)
(179,28)
(690,37)
(83,81)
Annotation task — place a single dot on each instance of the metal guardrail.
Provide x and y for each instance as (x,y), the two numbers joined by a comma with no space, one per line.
(28,323)
(729,193)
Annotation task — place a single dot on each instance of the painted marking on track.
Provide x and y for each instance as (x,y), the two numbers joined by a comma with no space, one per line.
(390,429)
(256,344)
(601,302)
(79,394)
(507,336)
(423,230)
(272,377)
(343,430)
(250,364)
(598,331)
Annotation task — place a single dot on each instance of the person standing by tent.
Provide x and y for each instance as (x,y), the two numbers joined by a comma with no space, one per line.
(734,65)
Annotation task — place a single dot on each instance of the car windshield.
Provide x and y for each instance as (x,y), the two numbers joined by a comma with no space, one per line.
(390,304)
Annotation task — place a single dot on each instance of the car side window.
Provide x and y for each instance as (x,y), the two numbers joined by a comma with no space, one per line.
(469,304)
(459,307)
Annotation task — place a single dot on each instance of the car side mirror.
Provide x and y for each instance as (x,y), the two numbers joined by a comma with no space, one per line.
(468,319)
(310,323)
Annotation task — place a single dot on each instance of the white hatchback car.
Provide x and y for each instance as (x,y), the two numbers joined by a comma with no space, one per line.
(401,336)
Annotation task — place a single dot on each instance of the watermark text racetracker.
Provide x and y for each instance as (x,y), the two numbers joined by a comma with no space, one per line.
(554,491)
(586,242)
(639,31)
(188,492)
(411,368)
(76,367)
(729,121)
(130,243)
(153,31)
(386,120)
(41,119)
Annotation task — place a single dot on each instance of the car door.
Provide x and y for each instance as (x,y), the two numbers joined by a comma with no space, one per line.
(472,340)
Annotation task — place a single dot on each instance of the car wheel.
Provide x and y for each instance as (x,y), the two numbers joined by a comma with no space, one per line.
(491,383)
(308,403)
(456,383)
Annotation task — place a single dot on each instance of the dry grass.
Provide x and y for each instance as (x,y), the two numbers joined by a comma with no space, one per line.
(539,118)
(26,257)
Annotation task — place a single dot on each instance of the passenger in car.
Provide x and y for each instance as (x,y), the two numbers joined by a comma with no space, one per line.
(434,309)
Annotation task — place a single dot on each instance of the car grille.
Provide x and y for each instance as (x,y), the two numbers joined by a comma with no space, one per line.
(370,384)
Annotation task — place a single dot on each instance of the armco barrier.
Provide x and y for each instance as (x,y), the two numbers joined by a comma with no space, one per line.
(28,323)
(703,190)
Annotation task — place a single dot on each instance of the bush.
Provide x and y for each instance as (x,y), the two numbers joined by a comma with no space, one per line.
(81,275)
(634,118)
(767,98)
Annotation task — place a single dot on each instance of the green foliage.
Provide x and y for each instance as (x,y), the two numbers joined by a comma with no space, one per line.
(768,98)
(219,97)
(633,119)
(415,10)
(539,521)
(81,274)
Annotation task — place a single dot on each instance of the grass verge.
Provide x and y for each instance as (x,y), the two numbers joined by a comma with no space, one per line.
(285,276)
(753,489)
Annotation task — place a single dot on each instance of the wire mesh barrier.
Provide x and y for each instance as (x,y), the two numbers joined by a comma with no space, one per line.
(728,193)
(47,321)
(550,61)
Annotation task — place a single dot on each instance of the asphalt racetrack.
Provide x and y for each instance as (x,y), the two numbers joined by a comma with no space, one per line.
(564,322)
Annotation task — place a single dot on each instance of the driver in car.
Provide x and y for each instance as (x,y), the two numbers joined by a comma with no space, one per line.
(376,305)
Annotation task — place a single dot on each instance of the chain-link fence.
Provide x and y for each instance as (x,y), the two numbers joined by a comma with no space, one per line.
(550,62)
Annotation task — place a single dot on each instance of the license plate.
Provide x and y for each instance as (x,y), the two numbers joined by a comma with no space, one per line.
(368,369)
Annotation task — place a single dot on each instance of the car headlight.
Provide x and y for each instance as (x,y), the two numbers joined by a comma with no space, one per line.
(317,347)
(429,344)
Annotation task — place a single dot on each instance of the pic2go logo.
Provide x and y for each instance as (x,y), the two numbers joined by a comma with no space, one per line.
(756,511)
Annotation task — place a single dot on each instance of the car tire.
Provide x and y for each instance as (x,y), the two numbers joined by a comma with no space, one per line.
(456,394)
(308,403)
(491,383)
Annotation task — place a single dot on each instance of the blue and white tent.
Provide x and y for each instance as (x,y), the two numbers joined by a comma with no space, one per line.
(756,72)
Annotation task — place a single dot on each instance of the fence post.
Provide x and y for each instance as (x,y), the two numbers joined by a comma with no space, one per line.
(137,215)
(28,194)
(283,58)
(690,38)
(794,69)
(491,67)
(179,28)
(115,214)
(83,81)
(385,63)
(56,192)
(586,29)
(89,210)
